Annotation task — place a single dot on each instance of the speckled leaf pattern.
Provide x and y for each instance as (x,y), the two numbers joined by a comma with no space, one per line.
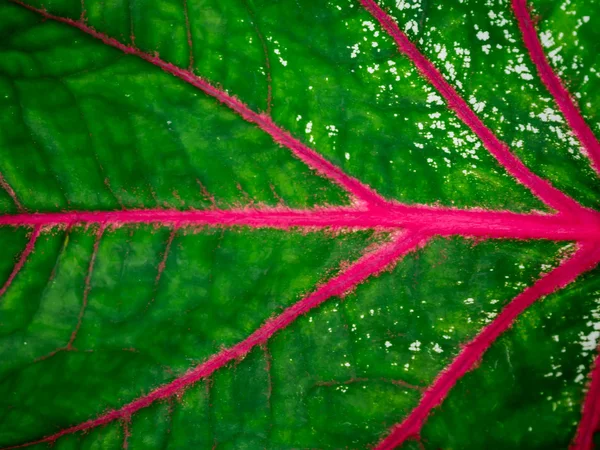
(249,224)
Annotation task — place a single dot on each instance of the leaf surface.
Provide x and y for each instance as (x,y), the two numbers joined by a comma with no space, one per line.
(252,224)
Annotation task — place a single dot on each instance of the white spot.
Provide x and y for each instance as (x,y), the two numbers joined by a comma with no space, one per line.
(411,25)
(388,344)
(443,53)
(546,38)
(483,35)
(415,346)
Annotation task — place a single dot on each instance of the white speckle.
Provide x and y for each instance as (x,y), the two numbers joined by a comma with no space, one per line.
(437,348)
(412,25)
(443,53)
(415,346)
(469,301)
(546,38)
(373,69)
(298,118)
(550,115)
(370,25)
(432,97)
(589,342)
(477,106)
(388,344)
(483,35)
(308,128)
(347,156)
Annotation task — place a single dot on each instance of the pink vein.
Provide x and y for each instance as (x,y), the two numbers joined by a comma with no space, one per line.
(590,418)
(188,32)
(364,194)
(586,257)
(11,192)
(553,83)
(22,259)
(86,290)
(366,266)
(162,265)
(442,221)
(540,187)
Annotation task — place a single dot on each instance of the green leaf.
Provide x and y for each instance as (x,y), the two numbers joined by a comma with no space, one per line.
(249,224)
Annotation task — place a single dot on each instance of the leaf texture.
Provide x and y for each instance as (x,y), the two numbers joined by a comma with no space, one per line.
(251,224)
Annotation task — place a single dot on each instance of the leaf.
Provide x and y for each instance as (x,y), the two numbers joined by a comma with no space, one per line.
(277,224)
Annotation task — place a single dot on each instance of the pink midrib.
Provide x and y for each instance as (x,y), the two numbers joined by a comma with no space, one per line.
(442,221)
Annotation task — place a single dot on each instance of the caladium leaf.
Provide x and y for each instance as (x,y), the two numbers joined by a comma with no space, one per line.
(252,224)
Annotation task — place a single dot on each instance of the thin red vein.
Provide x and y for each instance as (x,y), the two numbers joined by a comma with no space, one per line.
(162,265)
(540,187)
(11,192)
(563,99)
(22,259)
(86,290)
(586,257)
(366,266)
(364,194)
(266,53)
(188,32)
(590,418)
(442,221)
(369,380)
